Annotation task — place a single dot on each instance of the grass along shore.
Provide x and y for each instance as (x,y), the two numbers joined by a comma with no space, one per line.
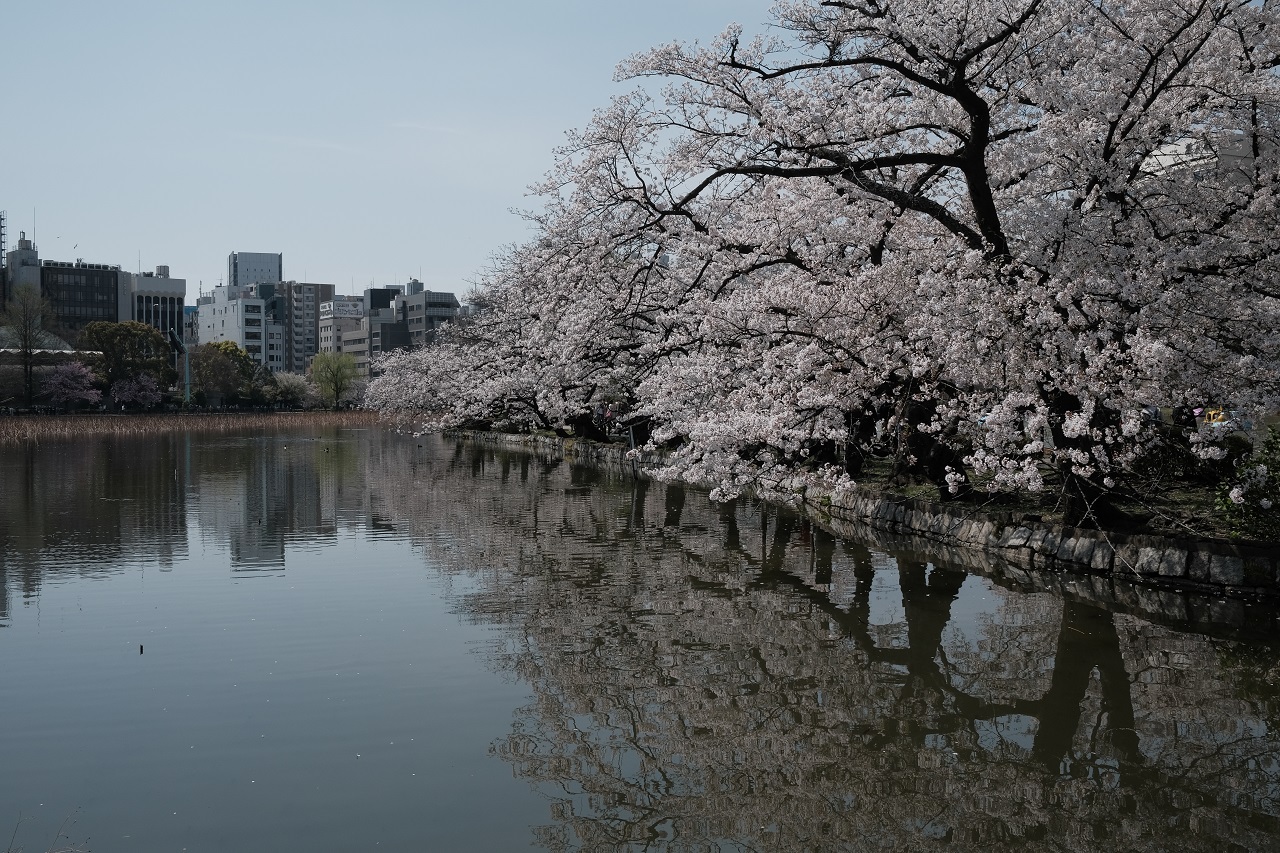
(20,429)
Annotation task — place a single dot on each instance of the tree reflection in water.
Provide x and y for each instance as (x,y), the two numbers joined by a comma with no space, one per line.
(730,677)
(733,677)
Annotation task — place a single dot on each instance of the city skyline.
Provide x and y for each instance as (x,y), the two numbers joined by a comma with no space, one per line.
(368,145)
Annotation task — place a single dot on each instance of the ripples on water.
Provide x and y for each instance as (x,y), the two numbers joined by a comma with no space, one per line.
(328,641)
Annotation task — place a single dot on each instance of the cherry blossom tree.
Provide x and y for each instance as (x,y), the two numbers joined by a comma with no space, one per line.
(138,390)
(71,383)
(979,235)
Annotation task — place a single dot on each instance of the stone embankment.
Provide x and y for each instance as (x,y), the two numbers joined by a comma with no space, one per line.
(1215,566)
(1188,563)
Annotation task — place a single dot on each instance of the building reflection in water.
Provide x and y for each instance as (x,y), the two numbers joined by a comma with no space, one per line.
(730,676)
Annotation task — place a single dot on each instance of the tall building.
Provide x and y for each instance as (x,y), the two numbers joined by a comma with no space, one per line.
(299,306)
(246,268)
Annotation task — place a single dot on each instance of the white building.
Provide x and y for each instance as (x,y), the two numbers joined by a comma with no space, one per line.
(246,268)
(156,299)
(241,315)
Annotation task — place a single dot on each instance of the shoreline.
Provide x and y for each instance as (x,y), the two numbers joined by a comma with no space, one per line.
(1007,540)
(16,430)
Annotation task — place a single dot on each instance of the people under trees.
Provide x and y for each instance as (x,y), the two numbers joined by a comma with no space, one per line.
(980,236)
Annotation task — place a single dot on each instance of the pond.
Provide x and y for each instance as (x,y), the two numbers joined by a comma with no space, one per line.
(355,640)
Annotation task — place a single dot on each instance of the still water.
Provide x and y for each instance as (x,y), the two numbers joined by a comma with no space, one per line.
(353,640)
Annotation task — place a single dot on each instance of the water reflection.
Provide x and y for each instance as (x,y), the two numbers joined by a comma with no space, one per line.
(727,677)
(736,678)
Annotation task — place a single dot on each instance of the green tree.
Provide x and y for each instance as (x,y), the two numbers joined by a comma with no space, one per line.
(334,374)
(222,371)
(24,324)
(126,350)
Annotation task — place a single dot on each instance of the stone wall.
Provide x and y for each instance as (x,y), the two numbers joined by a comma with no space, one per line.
(1187,563)
(1209,565)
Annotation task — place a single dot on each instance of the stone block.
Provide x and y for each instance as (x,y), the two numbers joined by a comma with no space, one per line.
(1018,538)
(1036,540)
(1226,569)
(1198,566)
(1125,561)
(1148,562)
(1083,553)
(1173,563)
(1103,554)
(1048,546)
(990,534)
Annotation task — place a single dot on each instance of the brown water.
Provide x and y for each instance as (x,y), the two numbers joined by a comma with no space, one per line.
(357,641)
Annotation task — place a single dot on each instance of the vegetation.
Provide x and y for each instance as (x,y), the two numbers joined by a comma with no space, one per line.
(335,375)
(1250,498)
(69,384)
(25,321)
(19,429)
(128,351)
(293,390)
(980,240)
(221,373)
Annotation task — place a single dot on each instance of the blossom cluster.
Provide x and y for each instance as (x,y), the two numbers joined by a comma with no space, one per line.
(982,236)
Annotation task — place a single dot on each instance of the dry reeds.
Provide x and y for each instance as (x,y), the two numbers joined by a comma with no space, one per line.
(19,429)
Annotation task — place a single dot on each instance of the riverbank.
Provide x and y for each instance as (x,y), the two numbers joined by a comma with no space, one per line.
(20,429)
(1008,540)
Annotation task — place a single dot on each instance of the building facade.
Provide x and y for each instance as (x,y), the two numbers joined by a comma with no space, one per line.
(424,311)
(82,293)
(338,316)
(298,305)
(384,319)
(156,299)
(244,316)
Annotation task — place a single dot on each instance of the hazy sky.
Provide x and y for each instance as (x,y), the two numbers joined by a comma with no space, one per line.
(368,142)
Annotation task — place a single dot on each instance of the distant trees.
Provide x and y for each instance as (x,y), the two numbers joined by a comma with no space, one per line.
(292,390)
(70,383)
(24,325)
(137,390)
(127,352)
(221,371)
(334,375)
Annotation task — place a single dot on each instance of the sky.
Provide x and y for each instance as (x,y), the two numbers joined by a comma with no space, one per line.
(369,142)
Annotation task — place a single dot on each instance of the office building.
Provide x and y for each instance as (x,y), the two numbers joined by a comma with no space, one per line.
(298,310)
(246,268)
(156,299)
(338,316)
